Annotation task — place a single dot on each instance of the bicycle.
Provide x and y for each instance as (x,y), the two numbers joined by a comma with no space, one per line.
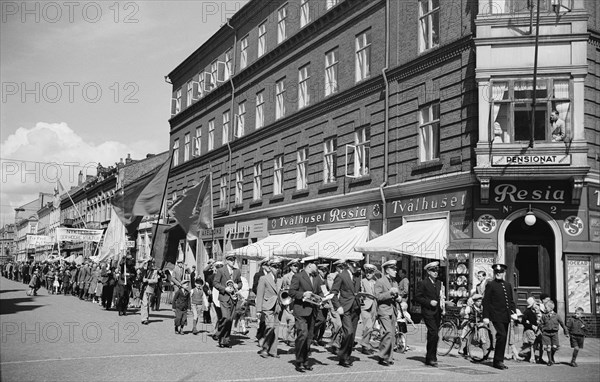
(479,339)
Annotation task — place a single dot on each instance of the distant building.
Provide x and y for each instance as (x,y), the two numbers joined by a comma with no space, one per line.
(7,243)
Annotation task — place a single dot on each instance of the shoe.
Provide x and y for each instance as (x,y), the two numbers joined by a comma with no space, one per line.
(384,363)
(344,364)
(224,346)
(333,350)
(298,367)
(500,366)
(431,363)
(263,353)
(366,351)
(195,331)
(573,364)
(145,322)
(274,355)
(540,361)
(550,363)
(306,366)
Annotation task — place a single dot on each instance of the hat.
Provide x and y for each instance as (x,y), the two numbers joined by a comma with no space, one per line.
(499,268)
(389,263)
(516,315)
(218,264)
(230,256)
(476,297)
(531,302)
(272,262)
(211,261)
(308,260)
(293,262)
(432,265)
(323,266)
(370,268)
(264,261)
(340,262)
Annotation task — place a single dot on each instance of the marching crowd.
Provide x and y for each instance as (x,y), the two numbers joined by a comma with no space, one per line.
(297,305)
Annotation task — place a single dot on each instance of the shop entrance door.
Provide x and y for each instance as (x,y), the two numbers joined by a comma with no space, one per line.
(529,261)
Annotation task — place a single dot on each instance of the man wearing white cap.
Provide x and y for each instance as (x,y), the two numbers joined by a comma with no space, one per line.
(368,309)
(226,300)
(387,294)
(345,289)
(428,295)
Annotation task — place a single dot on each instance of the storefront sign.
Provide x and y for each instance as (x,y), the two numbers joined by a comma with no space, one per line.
(76,234)
(209,234)
(334,215)
(594,229)
(461,225)
(452,201)
(578,284)
(487,223)
(573,225)
(531,160)
(530,192)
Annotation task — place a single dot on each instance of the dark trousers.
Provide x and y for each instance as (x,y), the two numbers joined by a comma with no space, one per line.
(500,346)
(320,322)
(260,332)
(305,326)
(225,323)
(432,323)
(107,296)
(349,324)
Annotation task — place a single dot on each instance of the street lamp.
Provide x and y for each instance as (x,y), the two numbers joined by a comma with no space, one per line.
(530,218)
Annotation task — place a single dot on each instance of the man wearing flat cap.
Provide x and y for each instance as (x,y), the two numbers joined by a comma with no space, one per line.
(321,319)
(264,270)
(345,289)
(224,274)
(498,305)
(387,294)
(368,308)
(268,308)
(428,295)
(287,315)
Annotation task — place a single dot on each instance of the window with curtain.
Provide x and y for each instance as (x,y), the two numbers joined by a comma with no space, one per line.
(186,147)
(262,39)
(211,134)
(429,24)
(303,93)
(304,13)
(241,120)
(197,141)
(278,175)
(280,99)
(331,3)
(511,108)
(329,160)
(176,152)
(429,132)
(239,186)
(244,52)
(257,184)
(228,65)
(281,20)
(190,94)
(178,101)
(223,192)
(225,137)
(363,56)
(301,169)
(260,116)
(362,140)
(331,72)
(214,71)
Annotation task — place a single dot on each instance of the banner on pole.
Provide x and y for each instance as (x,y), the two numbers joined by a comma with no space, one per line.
(78,234)
(34,241)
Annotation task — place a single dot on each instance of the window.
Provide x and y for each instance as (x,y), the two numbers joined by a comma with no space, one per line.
(214,73)
(511,110)
(429,132)
(239,186)
(186,147)
(331,72)
(190,94)
(223,192)
(361,153)
(303,94)
(176,152)
(211,134)
(429,24)
(304,13)
(278,175)
(201,85)
(177,108)
(257,185)
(241,120)
(363,56)
(280,99)
(228,65)
(301,169)
(244,52)
(260,116)
(225,139)
(281,18)
(262,39)
(197,142)
(331,3)
(329,160)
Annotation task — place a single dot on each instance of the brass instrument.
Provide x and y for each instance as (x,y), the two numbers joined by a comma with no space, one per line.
(314,299)
(284,298)
(234,294)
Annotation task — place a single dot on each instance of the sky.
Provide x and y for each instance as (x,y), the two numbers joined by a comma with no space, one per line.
(83,82)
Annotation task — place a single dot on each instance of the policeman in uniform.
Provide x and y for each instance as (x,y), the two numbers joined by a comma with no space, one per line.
(428,295)
(498,305)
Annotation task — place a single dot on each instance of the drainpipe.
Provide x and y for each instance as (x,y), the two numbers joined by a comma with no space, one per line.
(232,114)
(386,124)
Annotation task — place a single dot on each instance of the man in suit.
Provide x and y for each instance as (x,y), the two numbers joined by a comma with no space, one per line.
(150,280)
(268,308)
(303,284)
(498,305)
(386,292)
(264,270)
(226,300)
(287,316)
(368,308)
(428,295)
(322,312)
(345,289)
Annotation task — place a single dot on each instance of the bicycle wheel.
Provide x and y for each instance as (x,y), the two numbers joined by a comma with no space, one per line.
(478,344)
(448,336)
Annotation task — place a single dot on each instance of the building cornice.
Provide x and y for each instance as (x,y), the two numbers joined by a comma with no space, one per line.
(530,40)
(524,19)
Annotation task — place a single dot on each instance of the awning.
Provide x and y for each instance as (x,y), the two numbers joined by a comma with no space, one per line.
(329,244)
(424,238)
(264,248)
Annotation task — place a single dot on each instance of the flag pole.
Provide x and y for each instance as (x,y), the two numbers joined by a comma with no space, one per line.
(162,201)
(73,203)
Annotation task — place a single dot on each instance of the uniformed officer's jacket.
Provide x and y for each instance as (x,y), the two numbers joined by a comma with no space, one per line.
(498,303)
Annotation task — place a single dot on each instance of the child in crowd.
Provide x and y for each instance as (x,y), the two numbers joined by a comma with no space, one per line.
(181,304)
(577,331)
(511,351)
(531,330)
(56,283)
(403,319)
(474,314)
(549,324)
(199,302)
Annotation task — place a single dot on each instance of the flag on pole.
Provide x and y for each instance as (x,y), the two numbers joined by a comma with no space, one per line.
(58,191)
(190,259)
(142,198)
(114,240)
(194,211)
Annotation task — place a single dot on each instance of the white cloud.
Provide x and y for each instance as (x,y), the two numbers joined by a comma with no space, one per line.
(33,158)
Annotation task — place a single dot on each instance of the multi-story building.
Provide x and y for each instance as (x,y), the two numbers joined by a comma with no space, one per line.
(26,224)
(326,124)
(7,243)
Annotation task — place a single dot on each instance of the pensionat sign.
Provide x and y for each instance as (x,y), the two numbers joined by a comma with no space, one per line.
(334,215)
(531,160)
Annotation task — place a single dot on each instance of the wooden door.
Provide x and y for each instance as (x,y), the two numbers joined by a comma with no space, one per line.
(528,271)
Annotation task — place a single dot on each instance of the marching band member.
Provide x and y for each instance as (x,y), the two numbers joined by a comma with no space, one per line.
(336,320)
(268,308)
(304,284)
(345,289)
(264,270)
(227,298)
(324,310)
(387,294)
(287,316)
(368,309)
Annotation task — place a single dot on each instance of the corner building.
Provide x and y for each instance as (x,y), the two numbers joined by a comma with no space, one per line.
(327,124)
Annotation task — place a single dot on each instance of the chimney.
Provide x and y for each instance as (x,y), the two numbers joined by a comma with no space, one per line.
(80,178)
(128,160)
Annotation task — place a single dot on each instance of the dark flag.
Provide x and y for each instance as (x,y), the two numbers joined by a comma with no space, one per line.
(194,210)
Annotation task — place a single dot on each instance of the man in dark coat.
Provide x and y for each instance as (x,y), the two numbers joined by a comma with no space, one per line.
(428,295)
(345,289)
(226,298)
(302,285)
(264,270)
(498,305)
